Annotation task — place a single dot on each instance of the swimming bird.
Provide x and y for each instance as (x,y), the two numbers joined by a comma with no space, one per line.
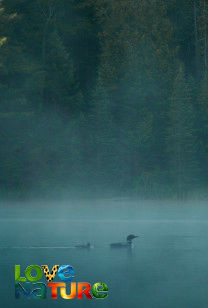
(128,242)
(88,245)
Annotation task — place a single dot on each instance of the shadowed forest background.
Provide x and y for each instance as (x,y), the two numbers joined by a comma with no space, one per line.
(104,97)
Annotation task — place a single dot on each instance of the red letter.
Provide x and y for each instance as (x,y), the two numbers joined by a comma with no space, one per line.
(54,287)
(86,291)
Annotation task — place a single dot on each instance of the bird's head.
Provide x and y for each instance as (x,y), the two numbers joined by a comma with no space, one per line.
(130,237)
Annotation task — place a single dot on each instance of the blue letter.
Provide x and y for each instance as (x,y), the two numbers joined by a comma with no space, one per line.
(66,270)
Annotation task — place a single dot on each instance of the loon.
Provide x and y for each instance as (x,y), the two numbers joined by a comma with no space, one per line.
(128,242)
(88,245)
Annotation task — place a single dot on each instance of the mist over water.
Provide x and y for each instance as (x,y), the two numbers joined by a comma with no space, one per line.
(167,266)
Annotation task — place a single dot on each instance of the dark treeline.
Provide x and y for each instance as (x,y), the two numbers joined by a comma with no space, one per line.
(104,96)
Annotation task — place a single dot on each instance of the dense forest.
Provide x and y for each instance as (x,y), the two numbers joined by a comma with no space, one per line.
(104,97)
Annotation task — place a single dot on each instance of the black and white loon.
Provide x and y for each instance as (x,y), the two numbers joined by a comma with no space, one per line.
(128,242)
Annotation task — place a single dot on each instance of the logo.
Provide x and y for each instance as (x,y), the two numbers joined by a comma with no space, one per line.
(31,287)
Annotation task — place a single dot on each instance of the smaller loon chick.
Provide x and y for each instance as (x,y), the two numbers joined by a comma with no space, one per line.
(128,242)
(88,245)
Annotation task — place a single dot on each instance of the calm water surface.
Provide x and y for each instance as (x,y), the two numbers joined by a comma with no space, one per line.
(167,267)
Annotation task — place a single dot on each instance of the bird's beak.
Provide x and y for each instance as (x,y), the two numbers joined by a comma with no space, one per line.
(136,236)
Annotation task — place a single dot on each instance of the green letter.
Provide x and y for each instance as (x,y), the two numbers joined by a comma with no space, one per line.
(29,269)
(100,287)
(17,274)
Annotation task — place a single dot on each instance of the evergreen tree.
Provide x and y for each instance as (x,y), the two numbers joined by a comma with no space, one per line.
(203,33)
(101,142)
(181,143)
(61,89)
(202,126)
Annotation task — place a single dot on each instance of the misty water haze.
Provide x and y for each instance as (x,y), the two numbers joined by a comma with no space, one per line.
(167,266)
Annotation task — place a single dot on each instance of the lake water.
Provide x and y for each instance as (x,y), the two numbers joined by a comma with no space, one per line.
(167,267)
